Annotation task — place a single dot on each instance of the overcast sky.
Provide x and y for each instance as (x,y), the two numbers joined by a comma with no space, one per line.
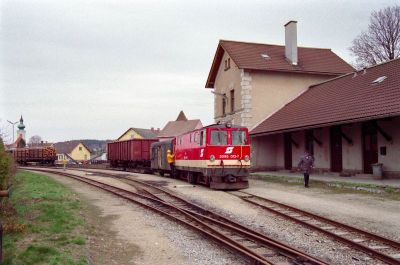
(92,69)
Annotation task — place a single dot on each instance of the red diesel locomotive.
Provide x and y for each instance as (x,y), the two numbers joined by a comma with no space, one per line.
(217,156)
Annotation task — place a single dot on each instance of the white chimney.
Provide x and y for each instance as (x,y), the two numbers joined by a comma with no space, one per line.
(291,42)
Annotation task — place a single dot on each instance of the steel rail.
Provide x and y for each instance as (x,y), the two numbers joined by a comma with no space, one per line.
(201,212)
(199,225)
(193,222)
(250,198)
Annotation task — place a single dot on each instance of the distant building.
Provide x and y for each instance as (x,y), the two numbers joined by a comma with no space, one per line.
(21,134)
(139,133)
(99,158)
(180,126)
(72,151)
(21,129)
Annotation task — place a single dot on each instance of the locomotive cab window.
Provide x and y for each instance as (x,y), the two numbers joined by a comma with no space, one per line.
(196,138)
(239,138)
(201,138)
(219,137)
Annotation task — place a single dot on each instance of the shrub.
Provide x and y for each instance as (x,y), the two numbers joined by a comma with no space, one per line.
(7,168)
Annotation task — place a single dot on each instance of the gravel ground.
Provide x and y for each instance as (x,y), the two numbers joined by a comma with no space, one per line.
(355,209)
(132,235)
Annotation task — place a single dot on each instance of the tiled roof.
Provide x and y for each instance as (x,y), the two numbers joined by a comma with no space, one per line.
(145,133)
(181,116)
(175,128)
(68,146)
(349,98)
(248,56)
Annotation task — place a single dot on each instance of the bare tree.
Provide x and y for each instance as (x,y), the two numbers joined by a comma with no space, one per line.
(3,133)
(381,42)
(35,140)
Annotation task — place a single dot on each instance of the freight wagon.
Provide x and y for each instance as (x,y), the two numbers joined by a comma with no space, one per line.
(44,155)
(133,153)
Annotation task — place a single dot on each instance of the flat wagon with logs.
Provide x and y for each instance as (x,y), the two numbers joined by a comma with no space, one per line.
(43,155)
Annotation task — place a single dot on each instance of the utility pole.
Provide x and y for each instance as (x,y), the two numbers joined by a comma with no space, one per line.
(13,125)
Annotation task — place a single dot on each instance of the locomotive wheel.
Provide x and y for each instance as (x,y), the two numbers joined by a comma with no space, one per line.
(207,181)
(192,178)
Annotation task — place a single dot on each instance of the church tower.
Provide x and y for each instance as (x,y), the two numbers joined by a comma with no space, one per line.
(21,129)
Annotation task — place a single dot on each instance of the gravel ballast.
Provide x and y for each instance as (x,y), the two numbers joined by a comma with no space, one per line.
(360,211)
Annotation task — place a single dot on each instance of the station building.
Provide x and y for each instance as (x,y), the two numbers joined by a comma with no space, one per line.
(251,81)
(348,123)
(292,98)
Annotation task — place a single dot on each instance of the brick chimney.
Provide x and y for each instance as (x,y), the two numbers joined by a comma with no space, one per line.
(291,42)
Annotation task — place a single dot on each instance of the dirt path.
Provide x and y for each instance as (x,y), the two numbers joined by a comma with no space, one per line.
(119,233)
(122,233)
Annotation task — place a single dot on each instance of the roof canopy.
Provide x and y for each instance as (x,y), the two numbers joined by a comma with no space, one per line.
(369,94)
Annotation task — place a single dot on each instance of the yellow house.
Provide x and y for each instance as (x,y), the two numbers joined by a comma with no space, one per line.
(138,133)
(73,151)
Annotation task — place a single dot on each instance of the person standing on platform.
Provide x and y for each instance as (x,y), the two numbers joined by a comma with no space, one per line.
(65,164)
(171,162)
(306,164)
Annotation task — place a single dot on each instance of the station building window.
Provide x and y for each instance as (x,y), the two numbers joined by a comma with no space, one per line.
(227,64)
(232,100)
(223,105)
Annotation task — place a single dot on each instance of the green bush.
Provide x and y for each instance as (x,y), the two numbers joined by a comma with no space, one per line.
(7,168)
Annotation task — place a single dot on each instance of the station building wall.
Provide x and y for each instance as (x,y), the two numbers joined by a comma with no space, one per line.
(270,91)
(268,151)
(352,157)
(227,80)
(263,155)
(390,161)
(257,94)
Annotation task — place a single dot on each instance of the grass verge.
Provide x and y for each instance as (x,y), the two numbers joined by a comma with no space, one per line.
(42,223)
(335,186)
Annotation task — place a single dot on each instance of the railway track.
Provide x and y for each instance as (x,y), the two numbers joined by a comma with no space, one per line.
(374,245)
(252,245)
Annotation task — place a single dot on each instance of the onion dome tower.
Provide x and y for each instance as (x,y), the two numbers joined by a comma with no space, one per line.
(21,128)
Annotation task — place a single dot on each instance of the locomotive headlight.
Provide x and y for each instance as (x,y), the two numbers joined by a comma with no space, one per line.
(246,158)
(212,158)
